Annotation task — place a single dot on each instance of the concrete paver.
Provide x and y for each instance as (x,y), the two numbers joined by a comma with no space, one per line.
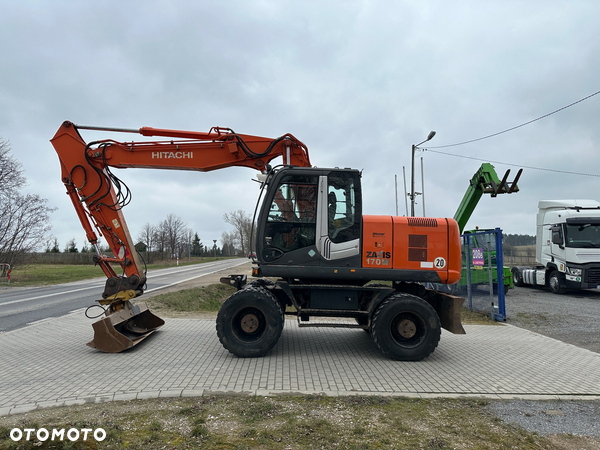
(47,364)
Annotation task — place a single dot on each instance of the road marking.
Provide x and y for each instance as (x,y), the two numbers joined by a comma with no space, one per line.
(100,285)
(50,295)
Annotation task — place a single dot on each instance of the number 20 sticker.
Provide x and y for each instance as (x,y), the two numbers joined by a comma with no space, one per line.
(439,263)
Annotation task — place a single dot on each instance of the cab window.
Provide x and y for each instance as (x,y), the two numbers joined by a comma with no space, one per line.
(344,206)
(291,223)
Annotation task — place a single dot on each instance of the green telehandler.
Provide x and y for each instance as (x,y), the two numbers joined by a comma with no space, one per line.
(484,181)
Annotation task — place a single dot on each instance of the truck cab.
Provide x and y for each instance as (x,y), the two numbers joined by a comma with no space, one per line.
(568,242)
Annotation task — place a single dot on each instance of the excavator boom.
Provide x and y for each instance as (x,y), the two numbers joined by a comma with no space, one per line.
(99,196)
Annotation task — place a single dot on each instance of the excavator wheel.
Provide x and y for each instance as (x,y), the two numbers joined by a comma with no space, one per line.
(250,322)
(405,327)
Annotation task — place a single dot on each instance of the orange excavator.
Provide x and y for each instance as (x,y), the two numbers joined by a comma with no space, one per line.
(316,253)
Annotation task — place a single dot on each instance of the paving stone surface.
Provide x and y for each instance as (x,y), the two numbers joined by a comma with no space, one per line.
(48,364)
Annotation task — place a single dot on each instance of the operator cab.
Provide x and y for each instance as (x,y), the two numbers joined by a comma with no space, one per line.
(310,217)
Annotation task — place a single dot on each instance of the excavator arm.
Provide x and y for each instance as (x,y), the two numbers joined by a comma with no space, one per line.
(99,196)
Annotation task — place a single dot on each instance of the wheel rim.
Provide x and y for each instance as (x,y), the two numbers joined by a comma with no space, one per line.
(408,329)
(554,283)
(249,324)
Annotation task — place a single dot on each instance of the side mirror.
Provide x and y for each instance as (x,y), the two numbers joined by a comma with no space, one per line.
(557,236)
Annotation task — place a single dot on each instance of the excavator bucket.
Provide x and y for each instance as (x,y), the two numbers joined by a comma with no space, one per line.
(124,328)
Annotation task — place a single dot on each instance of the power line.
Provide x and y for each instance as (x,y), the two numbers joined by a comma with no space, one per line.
(511,164)
(518,126)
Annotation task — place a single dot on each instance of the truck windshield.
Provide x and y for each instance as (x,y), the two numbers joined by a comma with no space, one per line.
(586,235)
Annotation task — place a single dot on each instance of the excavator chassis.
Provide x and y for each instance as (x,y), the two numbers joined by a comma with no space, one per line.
(404,319)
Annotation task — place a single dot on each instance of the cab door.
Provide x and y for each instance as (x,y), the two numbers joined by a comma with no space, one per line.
(339,221)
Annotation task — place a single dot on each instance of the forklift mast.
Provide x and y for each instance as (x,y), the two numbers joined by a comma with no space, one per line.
(485,181)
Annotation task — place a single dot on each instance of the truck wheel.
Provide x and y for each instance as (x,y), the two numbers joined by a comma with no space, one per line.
(517,277)
(405,327)
(250,323)
(554,283)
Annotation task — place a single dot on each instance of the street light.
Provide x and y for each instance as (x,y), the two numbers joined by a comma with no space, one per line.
(412,174)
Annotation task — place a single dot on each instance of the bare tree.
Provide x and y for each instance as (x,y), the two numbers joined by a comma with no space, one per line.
(11,172)
(242,225)
(24,218)
(147,236)
(185,246)
(174,228)
(160,238)
(229,240)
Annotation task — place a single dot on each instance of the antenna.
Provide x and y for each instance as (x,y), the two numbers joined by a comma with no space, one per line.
(405,194)
(423,186)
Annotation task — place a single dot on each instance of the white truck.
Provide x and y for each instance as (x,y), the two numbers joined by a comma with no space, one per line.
(567,248)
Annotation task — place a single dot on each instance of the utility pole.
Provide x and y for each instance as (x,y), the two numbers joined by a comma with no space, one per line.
(396,188)
(412,173)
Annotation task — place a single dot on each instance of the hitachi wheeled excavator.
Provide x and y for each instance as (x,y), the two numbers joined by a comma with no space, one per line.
(317,254)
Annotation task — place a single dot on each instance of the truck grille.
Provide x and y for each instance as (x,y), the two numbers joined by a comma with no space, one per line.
(594,276)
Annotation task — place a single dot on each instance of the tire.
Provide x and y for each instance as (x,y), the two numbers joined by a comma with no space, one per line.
(406,328)
(517,277)
(554,283)
(250,323)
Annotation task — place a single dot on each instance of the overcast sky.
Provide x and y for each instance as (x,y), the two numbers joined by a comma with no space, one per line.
(358,82)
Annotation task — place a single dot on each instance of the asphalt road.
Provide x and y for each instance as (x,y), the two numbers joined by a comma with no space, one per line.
(22,306)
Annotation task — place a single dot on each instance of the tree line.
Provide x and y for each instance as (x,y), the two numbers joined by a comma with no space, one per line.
(515,240)
(173,239)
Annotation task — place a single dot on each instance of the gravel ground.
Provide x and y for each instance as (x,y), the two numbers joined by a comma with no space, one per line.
(556,417)
(574,318)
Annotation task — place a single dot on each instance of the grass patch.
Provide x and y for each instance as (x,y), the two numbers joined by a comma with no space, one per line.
(200,299)
(469,317)
(282,422)
(47,274)
(532,319)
